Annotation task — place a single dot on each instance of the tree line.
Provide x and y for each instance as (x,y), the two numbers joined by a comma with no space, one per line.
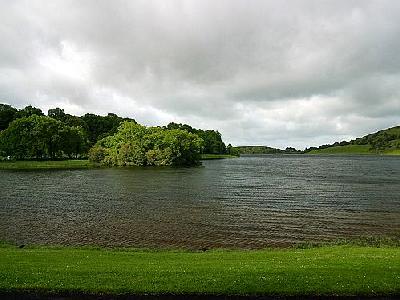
(30,134)
(265,150)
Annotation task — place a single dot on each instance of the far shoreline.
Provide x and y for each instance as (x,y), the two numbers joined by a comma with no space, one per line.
(76,164)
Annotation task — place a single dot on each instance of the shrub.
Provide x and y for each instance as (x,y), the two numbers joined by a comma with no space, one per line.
(137,145)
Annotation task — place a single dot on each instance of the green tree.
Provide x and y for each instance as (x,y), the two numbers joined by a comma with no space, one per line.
(67,119)
(56,113)
(379,143)
(98,127)
(212,140)
(28,111)
(28,137)
(7,115)
(73,141)
(137,145)
(40,137)
(232,150)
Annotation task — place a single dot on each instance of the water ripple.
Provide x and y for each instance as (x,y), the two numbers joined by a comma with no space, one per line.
(250,202)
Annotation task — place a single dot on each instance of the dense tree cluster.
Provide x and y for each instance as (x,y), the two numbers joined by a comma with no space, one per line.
(95,126)
(265,150)
(29,134)
(7,115)
(136,145)
(39,137)
(325,146)
(99,127)
(212,140)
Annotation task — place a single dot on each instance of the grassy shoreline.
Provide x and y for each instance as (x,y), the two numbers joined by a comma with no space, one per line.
(46,164)
(326,270)
(216,156)
(353,150)
(73,163)
(85,164)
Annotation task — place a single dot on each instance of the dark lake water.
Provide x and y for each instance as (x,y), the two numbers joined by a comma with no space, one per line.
(249,202)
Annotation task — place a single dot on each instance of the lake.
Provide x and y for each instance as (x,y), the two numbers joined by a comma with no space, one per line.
(248,202)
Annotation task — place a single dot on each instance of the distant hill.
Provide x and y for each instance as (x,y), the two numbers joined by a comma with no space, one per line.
(265,150)
(385,141)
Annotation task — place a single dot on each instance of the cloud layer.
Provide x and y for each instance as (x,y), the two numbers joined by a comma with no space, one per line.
(278,73)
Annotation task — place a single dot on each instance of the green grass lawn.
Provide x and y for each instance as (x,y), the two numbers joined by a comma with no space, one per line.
(329,270)
(216,156)
(43,165)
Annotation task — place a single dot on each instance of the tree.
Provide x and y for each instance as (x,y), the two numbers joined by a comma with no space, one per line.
(73,141)
(137,145)
(29,111)
(98,127)
(212,140)
(7,114)
(40,137)
(28,137)
(232,150)
(379,143)
(56,113)
(67,119)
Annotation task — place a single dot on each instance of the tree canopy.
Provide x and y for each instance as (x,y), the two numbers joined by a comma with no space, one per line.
(7,115)
(137,145)
(27,134)
(212,140)
(99,127)
(41,137)
(29,111)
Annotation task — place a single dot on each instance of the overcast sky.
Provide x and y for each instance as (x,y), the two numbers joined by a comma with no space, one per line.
(277,73)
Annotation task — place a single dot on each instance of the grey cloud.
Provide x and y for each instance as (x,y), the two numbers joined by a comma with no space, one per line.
(262,72)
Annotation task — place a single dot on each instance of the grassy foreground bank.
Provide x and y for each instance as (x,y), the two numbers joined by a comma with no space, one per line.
(331,270)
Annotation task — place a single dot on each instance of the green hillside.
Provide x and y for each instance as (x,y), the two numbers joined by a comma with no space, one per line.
(347,149)
(385,142)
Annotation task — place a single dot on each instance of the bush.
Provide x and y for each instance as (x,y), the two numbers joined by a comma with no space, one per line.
(97,154)
(137,145)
